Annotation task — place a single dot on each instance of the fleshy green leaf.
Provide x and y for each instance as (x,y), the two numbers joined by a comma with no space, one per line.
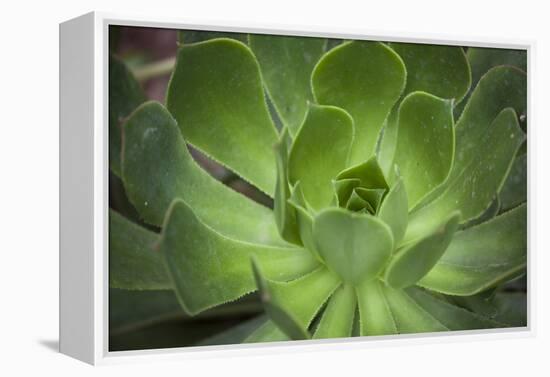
(320,151)
(293,305)
(356,203)
(125,94)
(133,262)
(451,316)
(481,303)
(440,70)
(268,332)
(285,213)
(354,246)
(482,256)
(369,173)
(217,99)
(372,196)
(118,200)
(489,213)
(375,314)
(394,211)
(208,269)
(514,190)
(366,79)
(472,189)
(409,317)
(500,88)
(304,219)
(482,59)
(338,317)
(157,168)
(343,189)
(425,143)
(286,64)
(414,261)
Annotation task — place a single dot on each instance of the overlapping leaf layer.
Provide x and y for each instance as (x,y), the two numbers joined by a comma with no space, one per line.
(394,208)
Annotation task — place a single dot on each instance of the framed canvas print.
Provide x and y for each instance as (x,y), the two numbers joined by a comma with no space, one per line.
(225,188)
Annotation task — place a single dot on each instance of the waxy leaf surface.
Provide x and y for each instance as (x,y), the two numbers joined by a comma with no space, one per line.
(409,317)
(354,246)
(216,96)
(208,269)
(376,317)
(472,189)
(368,173)
(442,71)
(304,219)
(366,79)
(337,319)
(425,143)
(157,168)
(482,256)
(292,305)
(319,152)
(133,261)
(414,260)
(286,64)
(394,211)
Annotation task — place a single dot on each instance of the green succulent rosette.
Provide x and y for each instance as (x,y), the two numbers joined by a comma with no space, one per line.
(397,173)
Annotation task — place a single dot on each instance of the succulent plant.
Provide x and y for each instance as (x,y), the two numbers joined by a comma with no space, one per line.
(397,173)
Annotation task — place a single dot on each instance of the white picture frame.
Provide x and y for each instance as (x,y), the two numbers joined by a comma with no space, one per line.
(84,191)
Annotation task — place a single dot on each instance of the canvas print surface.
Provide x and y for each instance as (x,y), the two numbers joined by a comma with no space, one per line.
(268,188)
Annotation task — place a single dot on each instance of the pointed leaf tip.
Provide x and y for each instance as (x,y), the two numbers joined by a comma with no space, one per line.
(414,261)
(282,318)
(482,256)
